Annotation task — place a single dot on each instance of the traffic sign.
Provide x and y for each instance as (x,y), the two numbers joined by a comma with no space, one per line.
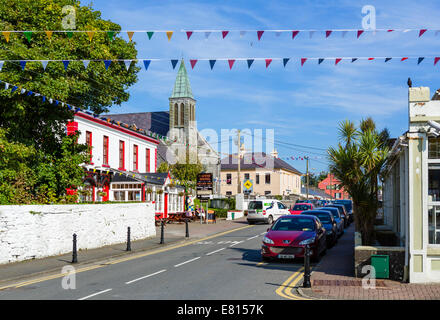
(248,186)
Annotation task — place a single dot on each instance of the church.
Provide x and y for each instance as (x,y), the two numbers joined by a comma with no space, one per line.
(185,143)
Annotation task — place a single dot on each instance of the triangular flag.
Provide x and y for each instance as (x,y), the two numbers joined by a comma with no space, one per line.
(44,63)
(420,60)
(23,64)
(146,64)
(90,34)
(436,59)
(127,64)
(174,63)
(344,33)
(422,31)
(69,34)
(86,63)
(193,63)
(303,60)
(1,65)
(337,60)
(231,63)
(188,34)
(387,59)
(169,35)
(353,60)
(110,35)
(150,35)
(259,34)
(404,58)
(294,33)
(207,34)
(14,88)
(249,62)
(107,64)
(66,64)
(359,33)
(28,35)
(130,35)
(320,60)
(6,86)
(285,60)
(370,59)
(328,33)
(212,63)
(49,34)
(242,33)
(224,33)
(268,61)
(390,30)
(6,34)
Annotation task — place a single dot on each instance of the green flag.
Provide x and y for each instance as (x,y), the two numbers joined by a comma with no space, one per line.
(150,34)
(28,35)
(110,35)
(69,34)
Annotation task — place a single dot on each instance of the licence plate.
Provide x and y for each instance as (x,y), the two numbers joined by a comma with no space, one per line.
(286,256)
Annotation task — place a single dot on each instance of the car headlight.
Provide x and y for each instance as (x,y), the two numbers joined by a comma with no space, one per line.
(307,241)
(267,240)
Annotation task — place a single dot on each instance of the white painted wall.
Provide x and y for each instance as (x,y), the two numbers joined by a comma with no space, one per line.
(37,231)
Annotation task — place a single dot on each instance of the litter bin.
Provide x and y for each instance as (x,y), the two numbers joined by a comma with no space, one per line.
(211,216)
(381,264)
(232,215)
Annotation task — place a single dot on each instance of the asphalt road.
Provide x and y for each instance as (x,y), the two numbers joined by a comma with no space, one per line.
(227,266)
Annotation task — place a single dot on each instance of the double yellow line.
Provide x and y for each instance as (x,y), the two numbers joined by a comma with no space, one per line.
(285,290)
(131,257)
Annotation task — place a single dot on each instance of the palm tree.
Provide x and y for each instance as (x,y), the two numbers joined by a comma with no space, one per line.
(358,163)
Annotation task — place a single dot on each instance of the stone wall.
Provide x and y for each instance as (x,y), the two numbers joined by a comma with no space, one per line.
(37,231)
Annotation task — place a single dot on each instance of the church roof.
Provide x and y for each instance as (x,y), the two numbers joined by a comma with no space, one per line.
(182,88)
(158,122)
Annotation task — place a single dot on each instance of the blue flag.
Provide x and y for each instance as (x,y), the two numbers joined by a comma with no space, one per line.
(420,60)
(23,64)
(174,63)
(285,60)
(66,64)
(147,64)
(212,63)
(107,64)
(249,62)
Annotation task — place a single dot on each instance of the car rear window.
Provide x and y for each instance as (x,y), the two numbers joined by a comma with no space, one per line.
(301,207)
(334,211)
(294,224)
(255,205)
(325,218)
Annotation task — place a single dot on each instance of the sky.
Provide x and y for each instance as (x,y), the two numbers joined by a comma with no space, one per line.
(303,105)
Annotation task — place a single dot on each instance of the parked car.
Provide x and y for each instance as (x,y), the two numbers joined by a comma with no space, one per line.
(328,222)
(289,235)
(303,201)
(300,207)
(338,218)
(342,211)
(267,211)
(348,204)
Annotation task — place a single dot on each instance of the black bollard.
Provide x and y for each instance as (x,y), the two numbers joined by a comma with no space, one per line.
(128,240)
(186,229)
(307,254)
(74,254)
(161,231)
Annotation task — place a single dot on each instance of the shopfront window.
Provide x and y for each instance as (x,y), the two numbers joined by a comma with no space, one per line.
(434,148)
(434,224)
(127,191)
(434,191)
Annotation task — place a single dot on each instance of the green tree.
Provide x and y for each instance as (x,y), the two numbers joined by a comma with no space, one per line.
(186,173)
(358,162)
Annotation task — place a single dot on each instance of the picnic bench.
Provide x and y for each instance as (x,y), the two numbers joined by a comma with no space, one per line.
(177,217)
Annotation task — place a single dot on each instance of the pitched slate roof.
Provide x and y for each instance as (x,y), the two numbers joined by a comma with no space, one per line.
(182,88)
(158,122)
(152,178)
(255,160)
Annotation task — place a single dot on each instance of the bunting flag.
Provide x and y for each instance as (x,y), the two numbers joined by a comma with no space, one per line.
(147,64)
(212,63)
(436,59)
(285,60)
(207,34)
(127,64)
(86,63)
(388,59)
(231,63)
(1,65)
(353,60)
(44,64)
(278,33)
(69,34)
(28,35)
(337,60)
(130,35)
(23,64)
(193,63)
(188,34)
(107,64)
(66,64)
(174,63)
(294,34)
(6,34)
(404,58)
(259,34)
(303,60)
(420,60)
(359,33)
(320,60)
(110,35)
(249,62)
(328,33)
(169,35)
(49,34)
(224,33)
(150,34)
(344,33)
(91,34)
(370,59)
(422,31)
(268,61)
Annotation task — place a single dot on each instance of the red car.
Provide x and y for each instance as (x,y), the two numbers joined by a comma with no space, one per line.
(300,207)
(289,235)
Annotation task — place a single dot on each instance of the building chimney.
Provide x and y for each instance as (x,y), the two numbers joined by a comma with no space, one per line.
(274,153)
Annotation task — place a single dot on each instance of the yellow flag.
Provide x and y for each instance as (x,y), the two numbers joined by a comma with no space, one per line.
(49,34)
(169,35)
(130,34)
(90,34)
(6,34)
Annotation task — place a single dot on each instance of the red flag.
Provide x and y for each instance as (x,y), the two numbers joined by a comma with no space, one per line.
(370,58)
(193,63)
(404,58)
(188,34)
(259,34)
(294,34)
(231,63)
(224,33)
(337,61)
(436,59)
(422,31)
(359,33)
(268,61)
(390,30)
(303,60)
(328,33)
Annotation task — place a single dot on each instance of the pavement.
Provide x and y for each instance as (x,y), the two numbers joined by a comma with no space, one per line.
(174,233)
(333,278)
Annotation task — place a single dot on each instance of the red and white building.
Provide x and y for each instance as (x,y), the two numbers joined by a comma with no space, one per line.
(123,164)
(331,186)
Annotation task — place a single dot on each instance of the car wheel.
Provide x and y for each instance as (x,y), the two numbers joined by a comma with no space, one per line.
(251,222)
(266,259)
(270,220)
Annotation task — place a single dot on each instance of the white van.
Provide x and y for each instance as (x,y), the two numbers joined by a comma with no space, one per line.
(267,210)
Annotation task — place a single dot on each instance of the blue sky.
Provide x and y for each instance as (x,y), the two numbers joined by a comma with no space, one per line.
(302,104)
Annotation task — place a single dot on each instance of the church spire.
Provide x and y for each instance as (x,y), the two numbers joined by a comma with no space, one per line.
(182,88)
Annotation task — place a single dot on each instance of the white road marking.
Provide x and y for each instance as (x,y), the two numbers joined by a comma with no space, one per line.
(262,233)
(253,237)
(234,244)
(95,294)
(180,264)
(215,251)
(150,275)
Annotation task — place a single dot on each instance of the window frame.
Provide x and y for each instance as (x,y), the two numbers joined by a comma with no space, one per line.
(431,203)
(105,149)
(122,155)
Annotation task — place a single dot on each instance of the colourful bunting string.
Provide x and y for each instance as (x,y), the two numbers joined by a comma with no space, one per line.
(69,34)
(188,34)
(150,35)
(49,34)
(6,34)
(224,34)
(303,60)
(66,64)
(193,63)
(328,33)
(174,63)
(268,61)
(249,62)
(436,59)
(231,63)
(259,34)
(320,60)
(169,35)
(107,64)
(130,35)
(359,33)
(147,64)
(212,63)
(337,61)
(28,35)
(294,34)
(285,60)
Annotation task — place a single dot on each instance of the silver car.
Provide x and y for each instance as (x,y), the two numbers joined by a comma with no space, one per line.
(267,211)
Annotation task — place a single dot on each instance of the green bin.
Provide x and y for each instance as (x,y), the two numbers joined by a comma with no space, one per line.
(381,264)
(232,215)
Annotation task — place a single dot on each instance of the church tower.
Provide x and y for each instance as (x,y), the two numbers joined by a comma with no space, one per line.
(183,112)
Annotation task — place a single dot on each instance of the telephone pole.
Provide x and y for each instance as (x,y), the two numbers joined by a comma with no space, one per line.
(307,177)
(239,160)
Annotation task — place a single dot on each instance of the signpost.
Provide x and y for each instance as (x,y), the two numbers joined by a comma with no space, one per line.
(248,186)
(204,190)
